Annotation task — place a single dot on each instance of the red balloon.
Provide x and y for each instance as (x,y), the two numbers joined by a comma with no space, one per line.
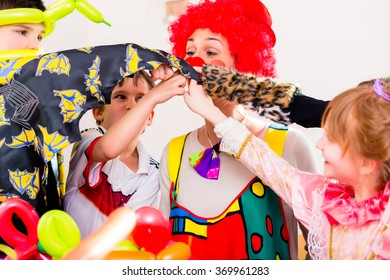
(28,216)
(26,251)
(152,229)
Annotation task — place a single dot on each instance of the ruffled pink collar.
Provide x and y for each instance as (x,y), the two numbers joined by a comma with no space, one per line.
(341,208)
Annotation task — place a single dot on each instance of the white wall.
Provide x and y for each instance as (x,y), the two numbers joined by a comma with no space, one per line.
(325,46)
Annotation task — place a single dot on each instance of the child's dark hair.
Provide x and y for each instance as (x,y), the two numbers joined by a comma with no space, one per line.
(13,4)
(136,77)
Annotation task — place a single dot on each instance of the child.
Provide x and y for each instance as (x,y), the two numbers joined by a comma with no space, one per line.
(346,211)
(230,214)
(20,32)
(23,35)
(27,36)
(110,167)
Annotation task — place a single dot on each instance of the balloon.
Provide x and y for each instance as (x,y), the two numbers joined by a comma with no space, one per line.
(43,256)
(115,229)
(28,216)
(26,251)
(175,251)
(25,15)
(54,12)
(58,233)
(11,254)
(23,55)
(126,245)
(21,15)
(90,12)
(130,255)
(152,230)
(58,10)
(25,245)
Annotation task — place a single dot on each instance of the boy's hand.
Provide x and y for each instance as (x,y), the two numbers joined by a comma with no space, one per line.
(166,89)
(163,72)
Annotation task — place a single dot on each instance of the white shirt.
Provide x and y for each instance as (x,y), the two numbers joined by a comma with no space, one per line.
(90,211)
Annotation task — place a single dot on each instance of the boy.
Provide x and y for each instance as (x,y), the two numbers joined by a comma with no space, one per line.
(110,167)
(22,35)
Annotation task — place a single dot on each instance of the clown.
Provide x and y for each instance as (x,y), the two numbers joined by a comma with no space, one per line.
(217,206)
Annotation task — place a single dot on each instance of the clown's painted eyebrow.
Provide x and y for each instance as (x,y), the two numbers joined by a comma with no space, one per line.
(207,39)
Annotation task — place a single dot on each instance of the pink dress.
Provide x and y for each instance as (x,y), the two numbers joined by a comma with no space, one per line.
(339,227)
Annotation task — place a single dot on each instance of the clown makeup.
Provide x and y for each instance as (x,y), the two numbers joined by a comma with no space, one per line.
(21,36)
(209,46)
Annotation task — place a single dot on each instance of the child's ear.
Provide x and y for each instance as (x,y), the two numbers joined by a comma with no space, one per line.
(150,119)
(97,113)
(368,166)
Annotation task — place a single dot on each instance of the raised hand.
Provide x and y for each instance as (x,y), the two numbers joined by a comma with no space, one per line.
(168,88)
(163,72)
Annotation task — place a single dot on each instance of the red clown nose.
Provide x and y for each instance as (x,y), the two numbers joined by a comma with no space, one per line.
(195,61)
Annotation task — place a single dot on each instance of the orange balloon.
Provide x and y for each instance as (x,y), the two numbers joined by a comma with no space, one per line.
(97,245)
(130,255)
(175,251)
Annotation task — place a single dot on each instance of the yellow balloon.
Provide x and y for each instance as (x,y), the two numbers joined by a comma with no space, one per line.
(58,10)
(54,12)
(90,12)
(126,245)
(11,253)
(58,233)
(12,54)
(25,15)
(20,15)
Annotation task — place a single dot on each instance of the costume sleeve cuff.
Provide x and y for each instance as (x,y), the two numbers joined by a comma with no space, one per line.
(234,135)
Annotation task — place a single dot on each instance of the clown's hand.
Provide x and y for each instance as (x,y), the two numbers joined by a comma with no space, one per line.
(197,100)
(268,98)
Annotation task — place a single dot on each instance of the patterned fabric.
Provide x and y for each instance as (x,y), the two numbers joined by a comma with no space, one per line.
(43,98)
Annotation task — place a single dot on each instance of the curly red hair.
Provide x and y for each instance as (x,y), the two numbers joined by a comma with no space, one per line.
(246,24)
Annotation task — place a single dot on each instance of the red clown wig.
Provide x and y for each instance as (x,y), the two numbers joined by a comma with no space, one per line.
(246,24)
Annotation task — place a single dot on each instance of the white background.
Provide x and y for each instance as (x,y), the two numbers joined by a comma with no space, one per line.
(325,46)
(214,269)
